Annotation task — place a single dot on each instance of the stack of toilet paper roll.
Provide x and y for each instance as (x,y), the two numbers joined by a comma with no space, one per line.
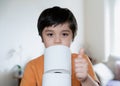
(57,66)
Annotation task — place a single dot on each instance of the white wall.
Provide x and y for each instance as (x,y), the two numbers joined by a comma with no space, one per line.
(19,40)
(96,29)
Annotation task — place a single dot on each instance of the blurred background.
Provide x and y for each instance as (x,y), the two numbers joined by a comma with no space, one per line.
(98,33)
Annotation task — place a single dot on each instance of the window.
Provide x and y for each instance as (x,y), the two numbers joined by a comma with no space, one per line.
(116,31)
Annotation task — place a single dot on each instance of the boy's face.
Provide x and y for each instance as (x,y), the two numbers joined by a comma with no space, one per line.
(57,35)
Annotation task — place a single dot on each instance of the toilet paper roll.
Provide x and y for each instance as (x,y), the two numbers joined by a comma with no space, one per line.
(57,58)
(56,79)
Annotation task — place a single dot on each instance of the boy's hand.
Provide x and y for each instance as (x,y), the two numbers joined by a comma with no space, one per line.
(81,67)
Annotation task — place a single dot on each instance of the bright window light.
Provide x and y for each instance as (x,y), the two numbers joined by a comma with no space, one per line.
(116,46)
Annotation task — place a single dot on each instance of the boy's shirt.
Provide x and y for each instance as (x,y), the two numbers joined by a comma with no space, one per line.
(34,71)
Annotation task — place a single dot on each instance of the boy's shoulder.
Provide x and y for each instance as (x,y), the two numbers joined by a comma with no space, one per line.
(37,60)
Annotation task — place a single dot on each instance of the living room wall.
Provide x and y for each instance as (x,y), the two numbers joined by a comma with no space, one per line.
(96,25)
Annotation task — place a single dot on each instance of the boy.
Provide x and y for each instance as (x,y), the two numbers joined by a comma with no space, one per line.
(58,26)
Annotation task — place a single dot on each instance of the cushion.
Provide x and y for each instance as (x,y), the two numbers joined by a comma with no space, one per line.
(104,73)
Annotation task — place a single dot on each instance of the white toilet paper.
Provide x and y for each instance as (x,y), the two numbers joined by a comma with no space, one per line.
(57,59)
(56,79)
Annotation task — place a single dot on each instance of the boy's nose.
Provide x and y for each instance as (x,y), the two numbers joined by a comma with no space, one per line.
(57,40)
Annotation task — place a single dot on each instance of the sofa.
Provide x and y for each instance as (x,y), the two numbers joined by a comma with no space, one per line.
(108,72)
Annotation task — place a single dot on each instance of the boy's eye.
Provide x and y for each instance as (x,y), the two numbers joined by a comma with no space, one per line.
(50,34)
(65,34)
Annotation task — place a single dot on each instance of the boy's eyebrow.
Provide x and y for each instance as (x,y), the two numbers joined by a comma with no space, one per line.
(66,31)
(52,30)
(48,30)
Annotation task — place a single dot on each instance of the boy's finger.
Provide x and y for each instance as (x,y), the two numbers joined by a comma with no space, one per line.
(82,52)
